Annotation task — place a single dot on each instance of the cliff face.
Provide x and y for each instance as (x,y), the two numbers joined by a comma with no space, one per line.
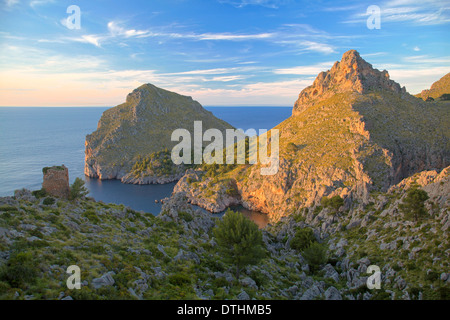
(139,127)
(352,132)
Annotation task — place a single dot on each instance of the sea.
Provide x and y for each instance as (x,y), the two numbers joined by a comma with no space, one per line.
(35,137)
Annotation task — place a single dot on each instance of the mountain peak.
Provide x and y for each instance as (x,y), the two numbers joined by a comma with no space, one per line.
(351,74)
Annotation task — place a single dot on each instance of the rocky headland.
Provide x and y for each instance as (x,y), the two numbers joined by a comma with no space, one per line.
(351,133)
(141,127)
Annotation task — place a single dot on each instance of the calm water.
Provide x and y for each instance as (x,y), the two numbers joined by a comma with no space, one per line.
(33,138)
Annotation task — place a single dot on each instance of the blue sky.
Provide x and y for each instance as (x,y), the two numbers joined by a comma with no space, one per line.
(220,52)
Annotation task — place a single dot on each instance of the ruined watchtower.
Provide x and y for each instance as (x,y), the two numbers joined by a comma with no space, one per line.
(56,181)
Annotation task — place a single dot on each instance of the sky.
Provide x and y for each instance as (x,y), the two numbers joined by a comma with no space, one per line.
(220,52)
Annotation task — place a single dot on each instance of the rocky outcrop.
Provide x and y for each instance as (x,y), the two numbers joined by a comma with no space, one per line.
(56,181)
(214,197)
(139,127)
(352,73)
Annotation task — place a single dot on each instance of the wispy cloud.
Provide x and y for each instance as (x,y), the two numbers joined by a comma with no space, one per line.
(228,78)
(116,30)
(89,38)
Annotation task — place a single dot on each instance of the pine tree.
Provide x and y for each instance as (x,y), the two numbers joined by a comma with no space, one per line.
(414,203)
(77,189)
(239,240)
(315,255)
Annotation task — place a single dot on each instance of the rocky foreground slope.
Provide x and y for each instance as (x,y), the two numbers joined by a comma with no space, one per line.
(125,254)
(351,133)
(131,138)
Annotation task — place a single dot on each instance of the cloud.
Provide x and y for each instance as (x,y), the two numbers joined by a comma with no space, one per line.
(228,78)
(117,30)
(90,38)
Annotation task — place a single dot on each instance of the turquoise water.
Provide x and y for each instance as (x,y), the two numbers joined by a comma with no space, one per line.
(35,137)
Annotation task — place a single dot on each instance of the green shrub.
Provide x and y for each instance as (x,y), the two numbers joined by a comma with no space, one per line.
(445,97)
(20,270)
(315,255)
(444,293)
(299,217)
(302,239)
(317,210)
(49,201)
(44,170)
(381,295)
(291,147)
(179,279)
(432,276)
(335,202)
(39,193)
(220,282)
(186,216)
(91,215)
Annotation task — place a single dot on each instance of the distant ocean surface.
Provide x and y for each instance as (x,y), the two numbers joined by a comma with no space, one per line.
(35,137)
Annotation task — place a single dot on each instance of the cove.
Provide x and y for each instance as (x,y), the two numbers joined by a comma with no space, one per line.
(142,197)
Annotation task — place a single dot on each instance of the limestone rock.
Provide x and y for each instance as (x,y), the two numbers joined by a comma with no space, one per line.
(243,296)
(311,293)
(332,294)
(104,281)
(331,273)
